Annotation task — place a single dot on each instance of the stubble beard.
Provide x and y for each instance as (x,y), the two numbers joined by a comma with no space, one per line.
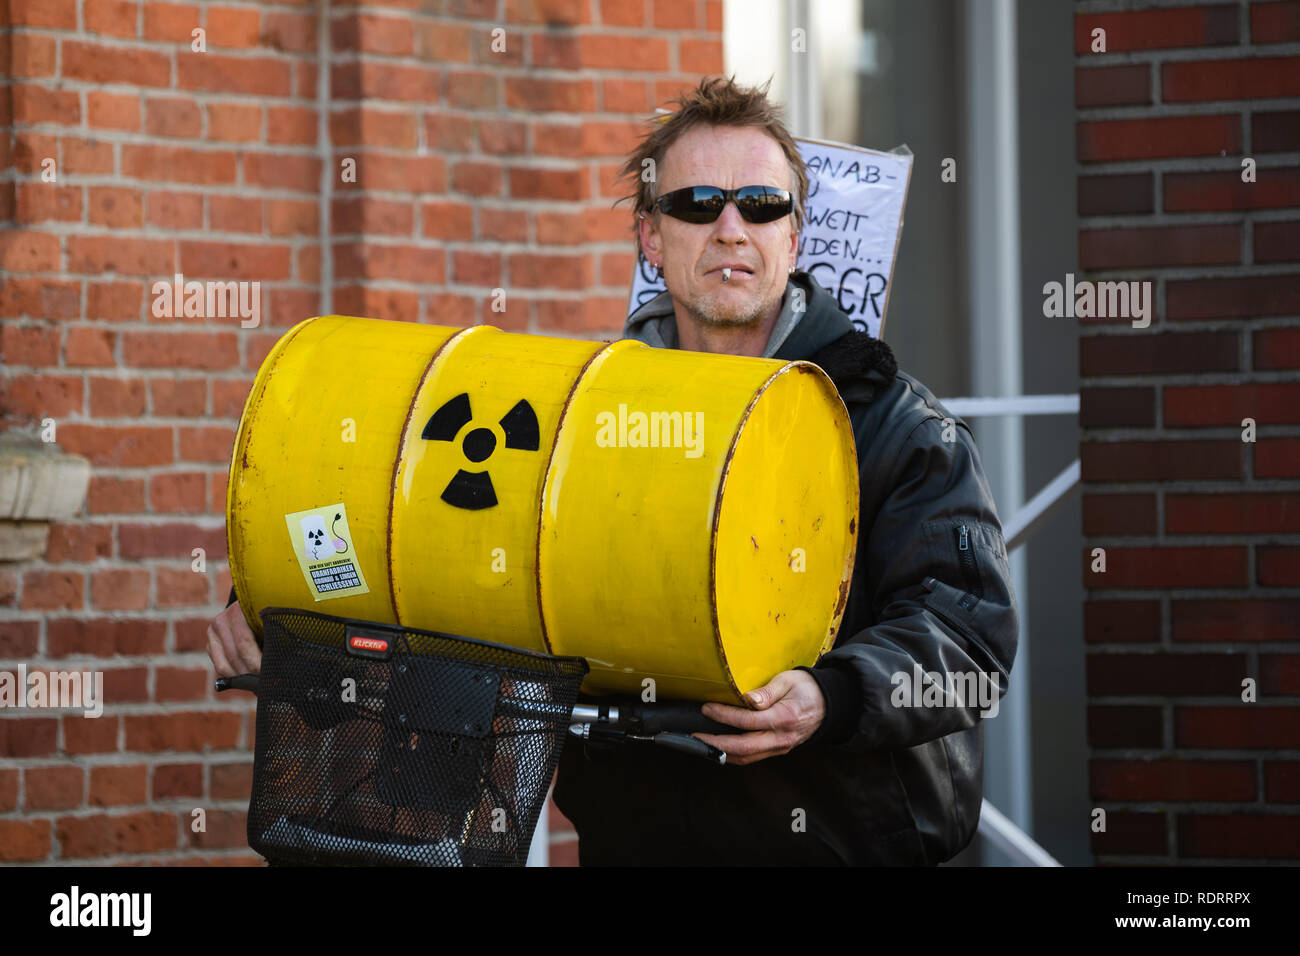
(706,312)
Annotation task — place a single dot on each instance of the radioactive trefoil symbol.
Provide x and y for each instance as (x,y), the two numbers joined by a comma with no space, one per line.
(472,490)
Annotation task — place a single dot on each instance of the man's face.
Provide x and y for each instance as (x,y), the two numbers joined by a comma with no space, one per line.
(693,254)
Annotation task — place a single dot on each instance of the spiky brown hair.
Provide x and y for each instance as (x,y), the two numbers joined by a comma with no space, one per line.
(717,101)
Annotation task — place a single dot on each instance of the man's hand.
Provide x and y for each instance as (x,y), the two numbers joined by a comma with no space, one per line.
(231,645)
(788,710)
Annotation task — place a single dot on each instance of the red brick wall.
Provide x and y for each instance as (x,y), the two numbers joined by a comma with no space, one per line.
(476,170)
(1201,530)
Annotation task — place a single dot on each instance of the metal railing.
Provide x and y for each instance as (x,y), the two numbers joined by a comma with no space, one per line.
(1011,840)
(994,826)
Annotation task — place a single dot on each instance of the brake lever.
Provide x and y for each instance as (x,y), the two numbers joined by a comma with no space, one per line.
(248,682)
(682,743)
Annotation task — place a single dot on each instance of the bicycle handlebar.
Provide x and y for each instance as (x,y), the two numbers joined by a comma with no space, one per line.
(664,723)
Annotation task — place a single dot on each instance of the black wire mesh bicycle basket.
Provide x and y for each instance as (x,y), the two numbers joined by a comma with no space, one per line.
(382,745)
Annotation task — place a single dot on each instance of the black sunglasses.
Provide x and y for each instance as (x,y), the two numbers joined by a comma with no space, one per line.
(702,204)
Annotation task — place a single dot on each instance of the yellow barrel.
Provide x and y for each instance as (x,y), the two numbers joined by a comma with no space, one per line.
(672,516)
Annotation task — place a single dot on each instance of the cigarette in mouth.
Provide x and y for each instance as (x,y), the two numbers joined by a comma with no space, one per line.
(726,273)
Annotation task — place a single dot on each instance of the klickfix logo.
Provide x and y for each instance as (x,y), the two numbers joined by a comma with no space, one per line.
(365,645)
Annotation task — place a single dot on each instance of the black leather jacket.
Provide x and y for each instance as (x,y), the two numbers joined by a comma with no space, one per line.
(878,783)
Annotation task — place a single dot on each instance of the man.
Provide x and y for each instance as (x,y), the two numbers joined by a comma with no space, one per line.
(825,768)
(834,764)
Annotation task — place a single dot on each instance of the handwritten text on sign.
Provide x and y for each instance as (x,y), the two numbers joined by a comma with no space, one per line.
(851,226)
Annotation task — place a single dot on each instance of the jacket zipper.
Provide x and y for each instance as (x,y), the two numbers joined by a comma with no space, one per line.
(966,558)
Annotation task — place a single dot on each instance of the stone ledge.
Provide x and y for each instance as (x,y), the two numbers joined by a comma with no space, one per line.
(38,484)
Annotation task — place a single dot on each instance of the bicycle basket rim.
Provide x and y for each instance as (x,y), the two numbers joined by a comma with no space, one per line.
(397,629)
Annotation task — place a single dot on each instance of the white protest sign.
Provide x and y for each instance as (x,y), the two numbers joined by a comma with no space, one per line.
(852,223)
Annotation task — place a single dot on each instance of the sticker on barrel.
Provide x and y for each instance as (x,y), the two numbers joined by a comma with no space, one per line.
(323,543)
